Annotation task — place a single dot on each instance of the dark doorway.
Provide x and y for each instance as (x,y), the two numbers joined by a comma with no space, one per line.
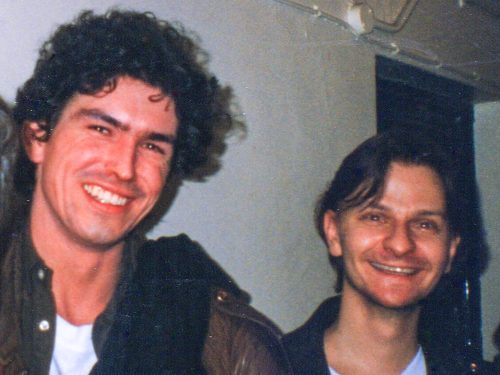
(411,98)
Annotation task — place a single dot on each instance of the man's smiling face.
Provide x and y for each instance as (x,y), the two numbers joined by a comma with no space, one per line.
(394,248)
(105,164)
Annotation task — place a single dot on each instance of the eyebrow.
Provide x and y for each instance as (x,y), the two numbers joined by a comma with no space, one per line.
(378,206)
(100,115)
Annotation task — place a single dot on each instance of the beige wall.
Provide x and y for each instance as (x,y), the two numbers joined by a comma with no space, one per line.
(487,139)
(306,87)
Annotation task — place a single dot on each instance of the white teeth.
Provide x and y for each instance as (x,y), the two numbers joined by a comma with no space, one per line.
(104,196)
(383,267)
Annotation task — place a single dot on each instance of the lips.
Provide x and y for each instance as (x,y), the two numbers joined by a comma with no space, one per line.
(406,271)
(104,196)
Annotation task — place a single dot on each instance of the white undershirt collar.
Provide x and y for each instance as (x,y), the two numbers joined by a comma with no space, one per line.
(74,352)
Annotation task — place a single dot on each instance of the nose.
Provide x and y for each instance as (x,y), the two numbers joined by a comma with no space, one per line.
(122,161)
(399,239)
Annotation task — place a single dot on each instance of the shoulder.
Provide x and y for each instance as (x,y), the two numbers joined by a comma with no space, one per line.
(313,329)
(178,250)
(180,243)
(240,339)
(439,363)
(176,256)
(304,345)
(180,257)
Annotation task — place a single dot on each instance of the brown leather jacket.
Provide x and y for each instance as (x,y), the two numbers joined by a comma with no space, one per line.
(240,340)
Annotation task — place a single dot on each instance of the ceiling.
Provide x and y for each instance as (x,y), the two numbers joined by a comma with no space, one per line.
(459,39)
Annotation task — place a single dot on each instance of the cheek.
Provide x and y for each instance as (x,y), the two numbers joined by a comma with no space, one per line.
(444,261)
(363,237)
(437,249)
(153,178)
(74,152)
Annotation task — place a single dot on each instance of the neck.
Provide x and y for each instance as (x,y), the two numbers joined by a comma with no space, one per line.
(83,289)
(84,277)
(382,340)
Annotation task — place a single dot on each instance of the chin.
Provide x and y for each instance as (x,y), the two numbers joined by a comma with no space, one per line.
(397,304)
(101,240)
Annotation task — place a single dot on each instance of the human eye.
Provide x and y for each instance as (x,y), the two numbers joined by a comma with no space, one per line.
(100,129)
(151,146)
(373,217)
(428,226)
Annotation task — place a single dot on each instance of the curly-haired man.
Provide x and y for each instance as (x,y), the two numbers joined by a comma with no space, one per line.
(117,104)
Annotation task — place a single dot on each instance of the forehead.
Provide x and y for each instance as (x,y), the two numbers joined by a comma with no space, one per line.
(410,185)
(129,101)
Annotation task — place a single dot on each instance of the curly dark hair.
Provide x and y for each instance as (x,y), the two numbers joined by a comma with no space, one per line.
(92,52)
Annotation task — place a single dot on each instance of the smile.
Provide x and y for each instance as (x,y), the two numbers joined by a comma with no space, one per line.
(395,270)
(104,196)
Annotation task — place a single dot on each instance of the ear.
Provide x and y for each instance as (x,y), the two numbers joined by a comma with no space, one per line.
(455,241)
(331,228)
(34,141)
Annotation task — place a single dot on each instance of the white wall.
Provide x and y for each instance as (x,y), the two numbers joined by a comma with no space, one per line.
(487,139)
(307,89)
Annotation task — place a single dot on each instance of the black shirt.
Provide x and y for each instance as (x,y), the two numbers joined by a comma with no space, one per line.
(39,312)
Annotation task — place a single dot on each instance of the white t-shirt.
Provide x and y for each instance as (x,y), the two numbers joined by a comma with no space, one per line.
(73,352)
(415,367)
